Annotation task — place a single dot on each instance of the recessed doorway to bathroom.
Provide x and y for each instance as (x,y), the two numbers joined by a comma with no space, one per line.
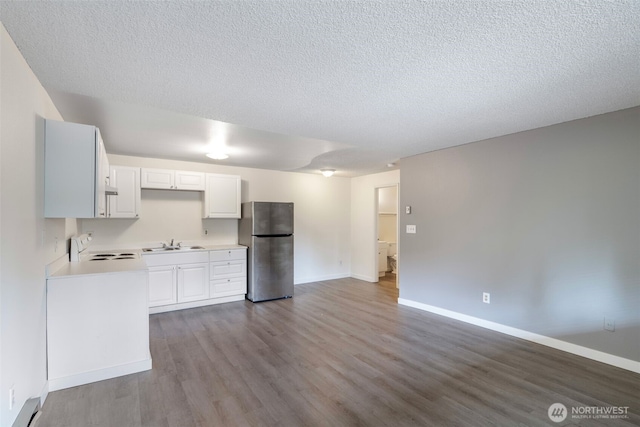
(387,234)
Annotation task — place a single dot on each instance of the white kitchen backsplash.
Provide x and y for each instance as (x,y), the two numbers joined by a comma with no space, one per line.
(164,215)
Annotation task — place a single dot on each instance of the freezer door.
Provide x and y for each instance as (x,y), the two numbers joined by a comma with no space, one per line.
(271,218)
(270,268)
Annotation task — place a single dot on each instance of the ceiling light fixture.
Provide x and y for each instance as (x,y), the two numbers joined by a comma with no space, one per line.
(217,155)
(327,172)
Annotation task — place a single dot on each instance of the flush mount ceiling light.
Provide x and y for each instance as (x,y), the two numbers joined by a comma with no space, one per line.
(217,155)
(327,172)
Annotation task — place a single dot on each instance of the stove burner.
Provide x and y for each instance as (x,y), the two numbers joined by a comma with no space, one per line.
(112,256)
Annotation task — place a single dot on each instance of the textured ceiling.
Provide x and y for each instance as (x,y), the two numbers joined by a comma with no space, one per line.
(310,84)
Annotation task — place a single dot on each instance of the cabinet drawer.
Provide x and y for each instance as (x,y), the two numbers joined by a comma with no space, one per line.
(174,257)
(228,287)
(225,269)
(227,255)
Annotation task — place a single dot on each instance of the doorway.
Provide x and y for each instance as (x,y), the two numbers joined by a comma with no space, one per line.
(387,233)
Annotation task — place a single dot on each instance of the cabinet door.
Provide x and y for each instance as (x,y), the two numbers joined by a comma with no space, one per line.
(193,282)
(127,203)
(70,170)
(162,285)
(189,181)
(222,196)
(102,176)
(162,179)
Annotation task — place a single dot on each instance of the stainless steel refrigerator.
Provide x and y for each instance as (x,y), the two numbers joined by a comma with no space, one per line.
(267,229)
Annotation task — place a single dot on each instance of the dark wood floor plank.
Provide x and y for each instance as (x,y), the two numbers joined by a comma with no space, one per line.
(341,353)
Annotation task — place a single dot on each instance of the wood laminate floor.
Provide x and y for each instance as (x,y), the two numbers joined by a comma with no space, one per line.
(341,353)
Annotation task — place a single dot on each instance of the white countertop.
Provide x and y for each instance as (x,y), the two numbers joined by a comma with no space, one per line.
(61,268)
(204,248)
(85,268)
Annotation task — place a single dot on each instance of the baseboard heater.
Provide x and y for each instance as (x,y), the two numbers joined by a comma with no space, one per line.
(28,416)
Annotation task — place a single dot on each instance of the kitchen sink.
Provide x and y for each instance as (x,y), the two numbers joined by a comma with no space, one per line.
(172,248)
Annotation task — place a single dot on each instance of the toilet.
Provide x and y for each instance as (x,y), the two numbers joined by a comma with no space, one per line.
(383,254)
(392,255)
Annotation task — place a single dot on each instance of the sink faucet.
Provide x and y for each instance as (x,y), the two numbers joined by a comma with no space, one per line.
(170,245)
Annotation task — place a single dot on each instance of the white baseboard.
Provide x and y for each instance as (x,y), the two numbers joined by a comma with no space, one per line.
(194,304)
(99,375)
(365,278)
(311,279)
(610,359)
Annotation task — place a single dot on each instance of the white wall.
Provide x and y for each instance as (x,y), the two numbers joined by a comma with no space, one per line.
(388,200)
(23,249)
(364,249)
(322,215)
(388,228)
(387,214)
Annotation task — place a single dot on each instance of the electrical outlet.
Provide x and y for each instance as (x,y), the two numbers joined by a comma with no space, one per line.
(486,297)
(609,324)
(205,232)
(90,233)
(12,397)
(411,229)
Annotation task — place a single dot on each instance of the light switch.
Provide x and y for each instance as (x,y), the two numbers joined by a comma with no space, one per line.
(411,229)
(407,209)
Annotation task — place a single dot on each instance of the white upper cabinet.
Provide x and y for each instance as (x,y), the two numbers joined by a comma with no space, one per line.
(222,196)
(127,203)
(76,171)
(167,179)
(157,178)
(189,181)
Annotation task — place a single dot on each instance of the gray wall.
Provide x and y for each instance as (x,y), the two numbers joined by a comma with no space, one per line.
(547,221)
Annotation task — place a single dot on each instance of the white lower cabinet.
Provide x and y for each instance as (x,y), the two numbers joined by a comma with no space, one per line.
(228,287)
(192,282)
(228,272)
(176,278)
(162,286)
(179,280)
(97,327)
